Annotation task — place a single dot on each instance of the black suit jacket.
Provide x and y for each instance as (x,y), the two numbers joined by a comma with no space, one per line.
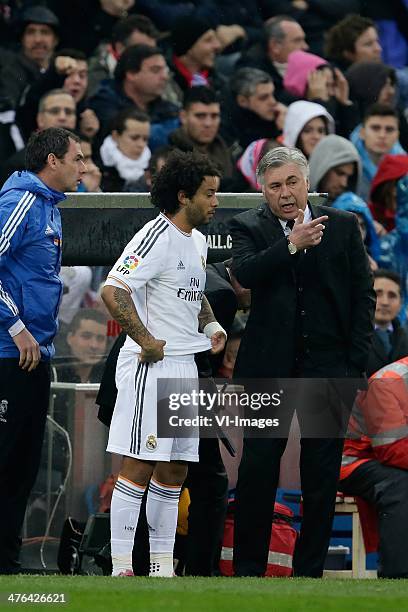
(378,357)
(224,303)
(263,263)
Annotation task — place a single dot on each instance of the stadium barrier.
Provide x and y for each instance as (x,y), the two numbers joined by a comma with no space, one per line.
(97,226)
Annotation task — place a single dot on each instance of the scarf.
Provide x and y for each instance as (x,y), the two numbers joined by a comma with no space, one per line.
(128,169)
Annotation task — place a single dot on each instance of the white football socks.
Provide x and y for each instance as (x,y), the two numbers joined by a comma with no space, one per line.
(161,510)
(125,507)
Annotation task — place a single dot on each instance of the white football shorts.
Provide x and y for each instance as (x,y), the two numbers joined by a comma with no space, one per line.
(133,430)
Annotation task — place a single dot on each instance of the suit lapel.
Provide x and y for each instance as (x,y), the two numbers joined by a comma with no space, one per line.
(321,249)
(270,226)
(396,341)
(378,347)
(271,229)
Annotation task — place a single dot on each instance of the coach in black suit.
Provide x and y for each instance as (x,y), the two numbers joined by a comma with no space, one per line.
(311,316)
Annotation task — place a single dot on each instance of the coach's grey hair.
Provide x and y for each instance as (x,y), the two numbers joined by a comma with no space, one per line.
(273,27)
(279,157)
(245,81)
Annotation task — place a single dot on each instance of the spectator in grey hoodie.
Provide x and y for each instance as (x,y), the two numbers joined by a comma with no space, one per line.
(335,167)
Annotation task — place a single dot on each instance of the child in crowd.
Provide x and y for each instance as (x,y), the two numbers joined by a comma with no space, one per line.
(125,149)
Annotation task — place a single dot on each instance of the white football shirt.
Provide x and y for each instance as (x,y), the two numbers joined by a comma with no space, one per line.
(164,270)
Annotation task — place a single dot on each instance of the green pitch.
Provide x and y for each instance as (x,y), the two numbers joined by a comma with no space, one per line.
(89,593)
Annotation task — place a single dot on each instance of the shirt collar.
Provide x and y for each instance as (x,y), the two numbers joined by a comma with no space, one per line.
(389,327)
(308,217)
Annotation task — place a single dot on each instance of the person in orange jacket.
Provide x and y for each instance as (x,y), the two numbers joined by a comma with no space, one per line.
(375,466)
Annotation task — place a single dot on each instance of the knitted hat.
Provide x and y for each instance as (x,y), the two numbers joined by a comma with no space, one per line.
(186,31)
(39,14)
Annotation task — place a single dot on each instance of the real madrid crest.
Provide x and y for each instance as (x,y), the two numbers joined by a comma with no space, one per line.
(203,262)
(151,442)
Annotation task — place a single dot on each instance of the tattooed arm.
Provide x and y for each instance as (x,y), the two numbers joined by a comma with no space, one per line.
(218,336)
(121,307)
(206,314)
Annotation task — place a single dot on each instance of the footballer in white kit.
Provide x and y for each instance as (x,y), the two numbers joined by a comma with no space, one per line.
(163,268)
(155,291)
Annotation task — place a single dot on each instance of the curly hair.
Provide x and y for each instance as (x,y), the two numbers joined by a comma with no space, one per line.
(182,172)
(342,36)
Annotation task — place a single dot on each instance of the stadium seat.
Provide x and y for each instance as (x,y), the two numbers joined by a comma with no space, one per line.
(348,506)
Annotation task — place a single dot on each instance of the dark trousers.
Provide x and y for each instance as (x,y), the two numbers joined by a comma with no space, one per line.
(207,483)
(323,407)
(386,488)
(256,490)
(24,401)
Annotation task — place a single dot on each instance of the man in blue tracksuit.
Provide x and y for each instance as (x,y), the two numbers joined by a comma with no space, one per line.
(30,293)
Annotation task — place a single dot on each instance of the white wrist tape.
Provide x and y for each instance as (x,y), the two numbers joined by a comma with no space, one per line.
(212,328)
(16,328)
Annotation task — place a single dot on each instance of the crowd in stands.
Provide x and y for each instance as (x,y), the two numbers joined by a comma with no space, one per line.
(138,79)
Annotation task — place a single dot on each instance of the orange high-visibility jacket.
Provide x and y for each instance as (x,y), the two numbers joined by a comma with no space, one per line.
(378,427)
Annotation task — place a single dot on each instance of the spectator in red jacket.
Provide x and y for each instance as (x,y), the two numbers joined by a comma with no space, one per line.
(383,192)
